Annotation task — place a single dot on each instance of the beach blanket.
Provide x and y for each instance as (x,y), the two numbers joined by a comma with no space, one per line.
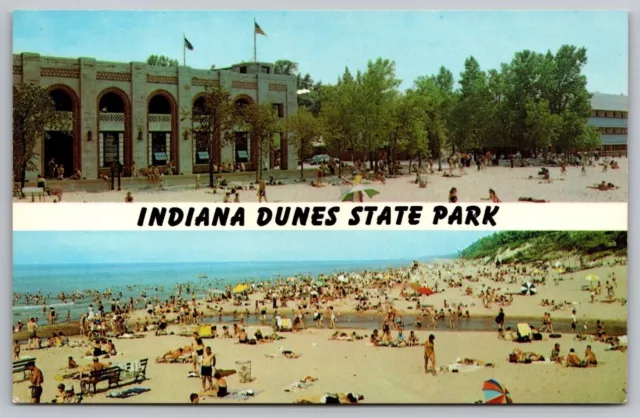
(242,395)
(130,336)
(331,398)
(461,368)
(127,393)
(301,384)
(179,360)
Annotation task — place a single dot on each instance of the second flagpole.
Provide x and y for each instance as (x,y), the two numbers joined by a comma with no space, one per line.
(255,42)
(184,50)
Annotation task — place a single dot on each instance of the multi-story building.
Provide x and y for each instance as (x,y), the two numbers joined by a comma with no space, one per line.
(610,114)
(134,112)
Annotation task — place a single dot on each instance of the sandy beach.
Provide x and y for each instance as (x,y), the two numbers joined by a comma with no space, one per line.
(509,184)
(384,374)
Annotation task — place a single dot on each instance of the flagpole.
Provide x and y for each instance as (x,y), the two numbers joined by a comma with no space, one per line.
(255,42)
(184,50)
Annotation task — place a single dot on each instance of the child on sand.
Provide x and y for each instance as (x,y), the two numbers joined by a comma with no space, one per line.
(128,198)
(197,181)
(453,195)
(430,355)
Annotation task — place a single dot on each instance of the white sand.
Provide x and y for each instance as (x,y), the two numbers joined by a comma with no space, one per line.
(509,184)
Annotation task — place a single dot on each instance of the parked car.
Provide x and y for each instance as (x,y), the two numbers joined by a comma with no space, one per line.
(321,158)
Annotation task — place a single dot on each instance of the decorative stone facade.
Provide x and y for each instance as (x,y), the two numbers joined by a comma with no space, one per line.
(86,81)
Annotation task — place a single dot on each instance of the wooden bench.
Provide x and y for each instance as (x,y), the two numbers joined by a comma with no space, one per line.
(20,366)
(33,192)
(110,374)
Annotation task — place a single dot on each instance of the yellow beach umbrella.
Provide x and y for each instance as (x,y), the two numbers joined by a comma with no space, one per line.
(240,288)
(592,278)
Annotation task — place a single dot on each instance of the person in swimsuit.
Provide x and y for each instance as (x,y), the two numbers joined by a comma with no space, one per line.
(430,354)
(206,369)
(262,191)
(221,386)
(453,195)
(198,351)
(494,197)
(36,378)
(128,198)
(555,354)
(572,359)
(589,358)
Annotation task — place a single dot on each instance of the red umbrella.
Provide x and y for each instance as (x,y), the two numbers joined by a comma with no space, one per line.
(425,291)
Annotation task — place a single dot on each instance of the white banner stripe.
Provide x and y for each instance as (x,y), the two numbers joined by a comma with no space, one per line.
(186,216)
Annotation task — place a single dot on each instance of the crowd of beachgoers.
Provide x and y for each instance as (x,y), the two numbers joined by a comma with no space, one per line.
(419,305)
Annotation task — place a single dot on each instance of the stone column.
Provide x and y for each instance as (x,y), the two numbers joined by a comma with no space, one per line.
(138,96)
(185,96)
(31,74)
(88,118)
(291,107)
(226,152)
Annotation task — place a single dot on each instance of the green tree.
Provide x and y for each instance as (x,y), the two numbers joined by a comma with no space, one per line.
(407,131)
(541,125)
(471,108)
(262,123)
(213,122)
(34,112)
(161,61)
(285,67)
(376,89)
(303,129)
(339,113)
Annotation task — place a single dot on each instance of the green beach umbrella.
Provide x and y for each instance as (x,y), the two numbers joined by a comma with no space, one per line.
(348,196)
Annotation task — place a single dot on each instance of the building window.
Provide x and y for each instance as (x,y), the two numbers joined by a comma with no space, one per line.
(594,113)
(243,70)
(265,70)
(625,115)
(159,148)
(601,113)
(242,147)
(278,109)
(609,114)
(609,130)
(624,131)
(617,115)
(202,148)
(110,148)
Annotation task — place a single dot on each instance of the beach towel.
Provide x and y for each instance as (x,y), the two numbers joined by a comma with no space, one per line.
(127,393)
(462,368)
(524,332)
(242,395)
(205,331)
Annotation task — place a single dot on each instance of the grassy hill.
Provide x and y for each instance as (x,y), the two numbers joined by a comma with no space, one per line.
(545,245)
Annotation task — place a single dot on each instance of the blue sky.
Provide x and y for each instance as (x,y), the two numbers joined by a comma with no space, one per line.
(323,43)
(47,248)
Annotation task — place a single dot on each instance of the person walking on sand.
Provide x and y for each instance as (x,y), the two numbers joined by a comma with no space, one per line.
(197,181)
(262,191)
(332,318)
(430,354)
(36,378)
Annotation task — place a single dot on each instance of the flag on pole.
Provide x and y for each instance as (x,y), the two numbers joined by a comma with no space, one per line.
(258,29)
(187,44)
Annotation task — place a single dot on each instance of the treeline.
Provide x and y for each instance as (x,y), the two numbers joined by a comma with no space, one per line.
(536,101)
(537,244)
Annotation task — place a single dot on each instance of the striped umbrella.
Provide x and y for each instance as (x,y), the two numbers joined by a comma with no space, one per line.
(528,288)
(495,393)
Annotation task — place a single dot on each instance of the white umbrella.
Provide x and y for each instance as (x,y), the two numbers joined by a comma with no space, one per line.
(528,288)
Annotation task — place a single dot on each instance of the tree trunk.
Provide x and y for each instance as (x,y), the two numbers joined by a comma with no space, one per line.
(211,184)
(439,156)
(301,170)
(410,158)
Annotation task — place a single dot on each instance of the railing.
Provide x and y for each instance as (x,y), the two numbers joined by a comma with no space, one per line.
(155,118)
(111,117)
(159,123)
